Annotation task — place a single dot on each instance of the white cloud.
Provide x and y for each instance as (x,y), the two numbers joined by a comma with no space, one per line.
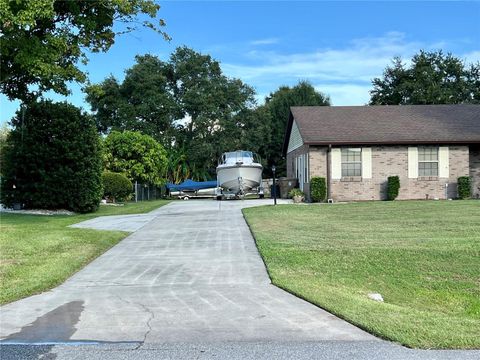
(344,73)
(267,41)
(360,61)
(345,94)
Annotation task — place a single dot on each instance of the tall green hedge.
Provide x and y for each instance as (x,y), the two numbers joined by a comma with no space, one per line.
(318,189)
(53,159)
(464,187)
(393,187)
(116,187)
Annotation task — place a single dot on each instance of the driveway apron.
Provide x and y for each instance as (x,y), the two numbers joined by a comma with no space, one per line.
(191,273)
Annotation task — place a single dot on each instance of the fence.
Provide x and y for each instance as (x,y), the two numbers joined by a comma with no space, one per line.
(145,192)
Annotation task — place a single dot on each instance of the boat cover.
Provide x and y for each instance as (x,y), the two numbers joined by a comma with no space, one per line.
(192,185)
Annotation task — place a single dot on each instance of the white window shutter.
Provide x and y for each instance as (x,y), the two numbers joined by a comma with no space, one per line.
(336,163)
(367,163)
(443,162)
(412,162)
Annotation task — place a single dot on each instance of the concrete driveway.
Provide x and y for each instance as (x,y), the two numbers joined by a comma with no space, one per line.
(190,274)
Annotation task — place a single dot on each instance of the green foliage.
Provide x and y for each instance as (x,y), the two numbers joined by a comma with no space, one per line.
(186,101)
(196,112)
(210,101)
(318,189)
(4,131)
(295,192)
(393,187)
(53,159)
(142,102)
(432,78)
(43,40)
(278,105)
(180,169)
(250,130)
(464,185)
(116,186)
(136,155)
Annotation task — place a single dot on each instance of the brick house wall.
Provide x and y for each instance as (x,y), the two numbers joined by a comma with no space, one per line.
(389,161)
(318,161)
(475,170)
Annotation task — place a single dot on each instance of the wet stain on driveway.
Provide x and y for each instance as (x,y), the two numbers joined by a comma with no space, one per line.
(57,325)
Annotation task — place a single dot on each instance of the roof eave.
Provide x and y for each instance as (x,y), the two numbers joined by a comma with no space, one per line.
(402,142)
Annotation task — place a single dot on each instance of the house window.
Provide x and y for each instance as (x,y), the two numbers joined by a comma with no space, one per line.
(351,162)
(428,161)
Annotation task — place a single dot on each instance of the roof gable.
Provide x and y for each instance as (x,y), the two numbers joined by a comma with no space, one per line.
(295,139)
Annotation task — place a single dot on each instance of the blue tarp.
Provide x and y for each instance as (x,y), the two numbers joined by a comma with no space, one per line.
(192,185)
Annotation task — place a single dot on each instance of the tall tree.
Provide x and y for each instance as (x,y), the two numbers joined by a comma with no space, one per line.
(251,130)
(278,105)
(208,101)
(43,41)
(186,103)
(142,102)
(432,78)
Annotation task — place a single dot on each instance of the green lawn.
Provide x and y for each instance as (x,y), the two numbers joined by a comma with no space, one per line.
(39,252)
(422,257)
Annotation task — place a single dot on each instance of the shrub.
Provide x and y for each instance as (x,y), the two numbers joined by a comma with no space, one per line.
(296,192)
(464,187)
(116,186)
(393,186)
(138,156)
(318,189)
(53,159)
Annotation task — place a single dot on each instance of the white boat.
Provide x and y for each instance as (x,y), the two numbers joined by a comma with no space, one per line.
(239,173)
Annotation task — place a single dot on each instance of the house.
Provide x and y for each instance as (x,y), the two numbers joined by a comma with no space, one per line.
(356,148)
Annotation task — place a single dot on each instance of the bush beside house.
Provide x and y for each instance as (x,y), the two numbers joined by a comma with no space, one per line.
(318,189)
(393,187)
(464,187)
(53,159)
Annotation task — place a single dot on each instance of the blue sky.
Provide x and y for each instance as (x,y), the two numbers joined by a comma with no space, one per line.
(338,46)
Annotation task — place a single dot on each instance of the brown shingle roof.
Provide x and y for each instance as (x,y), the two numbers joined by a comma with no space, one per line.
(403,124)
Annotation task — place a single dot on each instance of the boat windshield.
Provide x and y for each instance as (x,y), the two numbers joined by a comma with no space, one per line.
(240,156)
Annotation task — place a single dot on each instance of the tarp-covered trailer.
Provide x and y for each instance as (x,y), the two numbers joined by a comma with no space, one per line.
(193,189)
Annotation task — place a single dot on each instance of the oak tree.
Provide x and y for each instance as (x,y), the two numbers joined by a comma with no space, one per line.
(431,78)
(43,41)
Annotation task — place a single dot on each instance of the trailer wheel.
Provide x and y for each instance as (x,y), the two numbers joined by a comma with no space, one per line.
(219,197)
(261,196)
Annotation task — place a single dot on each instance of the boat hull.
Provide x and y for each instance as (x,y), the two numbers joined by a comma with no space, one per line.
(239,178)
